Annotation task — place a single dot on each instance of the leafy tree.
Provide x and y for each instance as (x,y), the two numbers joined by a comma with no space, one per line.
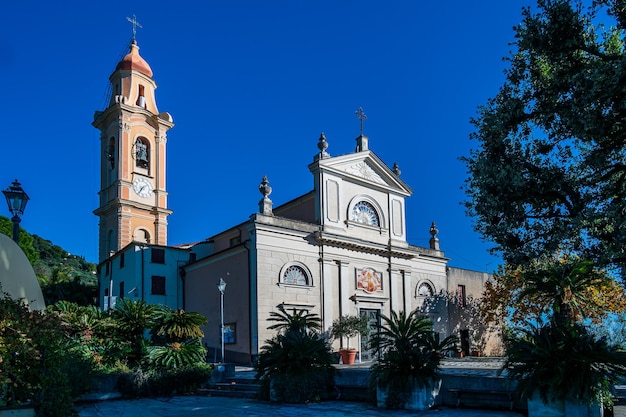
(64,276)
(549,172)
(569,287)
(38,361)
(26,239)
(96,334)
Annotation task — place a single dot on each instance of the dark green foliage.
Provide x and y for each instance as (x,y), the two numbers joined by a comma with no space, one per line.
(549,171)
(410,354)
(562,362)
(61,275)
(26,240)
(134,318)
(96,333)
(39,361)
(296,320)
(349,326)
(159,383)
(178,325)
(64,276)
(176,355)
(296,365)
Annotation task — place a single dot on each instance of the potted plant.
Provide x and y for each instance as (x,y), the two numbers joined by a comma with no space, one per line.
(295,365)
(406,375)
(563,368)
(349,326)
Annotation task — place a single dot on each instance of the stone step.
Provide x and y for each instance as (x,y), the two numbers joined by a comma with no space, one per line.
(620,394)
(214,392)
(235,386)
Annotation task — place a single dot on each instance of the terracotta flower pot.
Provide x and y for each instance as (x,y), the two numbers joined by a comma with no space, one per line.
(347,356)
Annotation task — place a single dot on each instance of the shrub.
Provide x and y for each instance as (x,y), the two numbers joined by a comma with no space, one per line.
(296,365)
(176,354)
(563,361)
(410,355)
(39,361)
(163,383)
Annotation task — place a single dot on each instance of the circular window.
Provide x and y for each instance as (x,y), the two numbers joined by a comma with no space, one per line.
(364,213)
(295,275)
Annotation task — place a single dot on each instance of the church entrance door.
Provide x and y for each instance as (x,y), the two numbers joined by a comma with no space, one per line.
(373,318)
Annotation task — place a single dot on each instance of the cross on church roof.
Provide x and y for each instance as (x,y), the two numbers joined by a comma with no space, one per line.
(361,116)
(135,24)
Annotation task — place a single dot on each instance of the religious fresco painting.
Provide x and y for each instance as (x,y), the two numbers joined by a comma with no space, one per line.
(369,280)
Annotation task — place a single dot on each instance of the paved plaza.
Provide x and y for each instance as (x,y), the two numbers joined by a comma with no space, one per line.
(236,407)
(206,406)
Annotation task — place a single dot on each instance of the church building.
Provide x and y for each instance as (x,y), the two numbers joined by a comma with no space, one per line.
(338,249)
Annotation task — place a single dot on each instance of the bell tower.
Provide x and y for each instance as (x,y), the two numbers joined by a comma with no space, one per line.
(133,137)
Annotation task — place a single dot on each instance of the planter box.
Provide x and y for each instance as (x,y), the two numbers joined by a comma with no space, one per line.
(17,412)
(537,408)
(419,399)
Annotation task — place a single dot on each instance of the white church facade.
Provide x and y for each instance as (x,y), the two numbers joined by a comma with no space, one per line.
(338,249)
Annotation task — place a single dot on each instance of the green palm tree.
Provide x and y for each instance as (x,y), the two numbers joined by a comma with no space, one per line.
(410,354)
(297,362)
(563,361)
(178,325)
(561,283)
(176,355)
(133,319)
(296,320)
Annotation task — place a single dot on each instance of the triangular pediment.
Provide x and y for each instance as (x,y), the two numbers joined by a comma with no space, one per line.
(365,168)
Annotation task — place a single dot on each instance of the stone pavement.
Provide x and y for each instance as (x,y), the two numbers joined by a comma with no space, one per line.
(202,406)
(236,407)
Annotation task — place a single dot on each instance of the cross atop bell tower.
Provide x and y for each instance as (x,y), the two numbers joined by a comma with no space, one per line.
(136,25)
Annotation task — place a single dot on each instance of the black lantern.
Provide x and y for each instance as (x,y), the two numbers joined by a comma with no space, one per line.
(16,200)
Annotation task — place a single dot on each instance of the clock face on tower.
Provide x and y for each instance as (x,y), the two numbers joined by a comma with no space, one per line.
(142,187)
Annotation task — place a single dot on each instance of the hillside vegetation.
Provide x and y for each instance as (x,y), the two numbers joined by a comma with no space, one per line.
(62,275)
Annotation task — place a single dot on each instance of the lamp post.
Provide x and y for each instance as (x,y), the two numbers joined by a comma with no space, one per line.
(16,200)
(222,287)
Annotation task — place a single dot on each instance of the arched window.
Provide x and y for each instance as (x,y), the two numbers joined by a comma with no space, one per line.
(141,235)
(110,242)
(364,212)
(294,274)
(111,152)
(425,289)
(141,99)
(142,153)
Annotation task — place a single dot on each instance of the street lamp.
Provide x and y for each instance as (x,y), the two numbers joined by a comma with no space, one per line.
(222,287)
(16,200)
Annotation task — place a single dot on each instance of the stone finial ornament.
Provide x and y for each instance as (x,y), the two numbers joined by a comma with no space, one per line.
(434,241)
(396,170)
(322,146)
(265,205)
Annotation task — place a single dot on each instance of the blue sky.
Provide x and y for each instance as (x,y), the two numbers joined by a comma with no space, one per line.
(251,85)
